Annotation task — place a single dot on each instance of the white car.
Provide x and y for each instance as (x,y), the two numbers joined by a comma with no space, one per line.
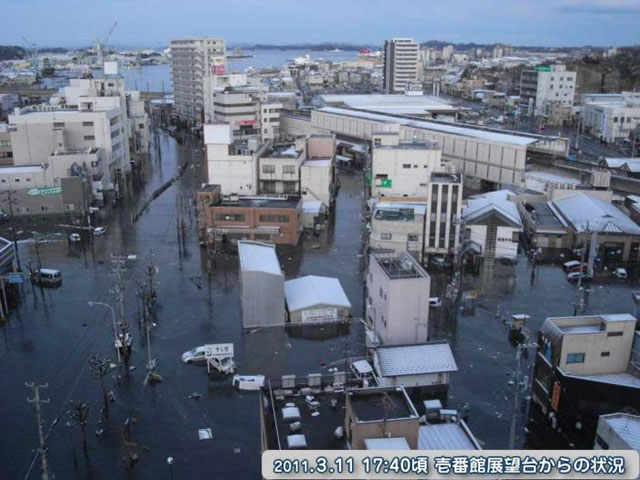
(248,382)
(74,237)
(195,355)
(435,302)
(100,230)
(620,272)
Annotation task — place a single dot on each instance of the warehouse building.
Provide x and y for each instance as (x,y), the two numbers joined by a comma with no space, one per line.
(314,299)
(261,285)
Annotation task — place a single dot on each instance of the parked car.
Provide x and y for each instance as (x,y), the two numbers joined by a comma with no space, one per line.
(74,237)
(100,230)
(47,277)
(439,262)
(620,272)
(579,268)
(574,276)
(567,266)
(435,302)
(198,355)
(248,382)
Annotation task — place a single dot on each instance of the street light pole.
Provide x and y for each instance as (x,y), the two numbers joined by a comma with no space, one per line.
(115,328)
(170,463)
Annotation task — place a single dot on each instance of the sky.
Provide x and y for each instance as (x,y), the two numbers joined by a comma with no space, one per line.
(151,23)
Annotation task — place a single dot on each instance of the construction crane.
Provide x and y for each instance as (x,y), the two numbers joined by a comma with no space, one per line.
(32,51)
(101,44)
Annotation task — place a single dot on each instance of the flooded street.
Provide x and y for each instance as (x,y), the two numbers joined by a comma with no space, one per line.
(53,333)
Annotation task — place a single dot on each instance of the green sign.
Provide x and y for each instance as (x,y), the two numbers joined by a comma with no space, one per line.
(385,183)
(44,191)
(542,68)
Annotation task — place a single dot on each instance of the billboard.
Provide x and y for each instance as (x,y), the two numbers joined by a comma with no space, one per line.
(218,350)
(44,191)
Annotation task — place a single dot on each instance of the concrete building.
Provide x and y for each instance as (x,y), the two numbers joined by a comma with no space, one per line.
(546,85)
(420,106)
(492,222)
(397,301)
(6,151)
(402,168)
(618,431)
(585,367)
(444,213)
(314,299)
(193,59)
(400,64)
(447,53)
(614,120)
(398,226)
(318,179)
(262,285)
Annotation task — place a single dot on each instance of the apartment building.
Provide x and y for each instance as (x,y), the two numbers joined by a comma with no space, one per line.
(193,59)
(398,226)
(318,179)
(444,213)
(402,168)
(614,120)
(586,366)
(6,152)
(397,301)
(545,86)
(400,64)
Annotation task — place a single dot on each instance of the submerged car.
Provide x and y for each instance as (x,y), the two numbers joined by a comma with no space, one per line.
(620,272)
(195,355)
(435,302)
(74,237)
(574,276)
(100,230)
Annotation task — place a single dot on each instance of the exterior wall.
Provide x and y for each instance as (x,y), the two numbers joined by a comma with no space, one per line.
(398,309)
(399,231)
(288,231)
(341,313)
(279,181)
(317,181)
(444,210)
(609,439)
(262,299)
(6,151)
(611,121)
(236,174)
(416,381)
(408,170)
(400,64)
(505,246)
(69,197)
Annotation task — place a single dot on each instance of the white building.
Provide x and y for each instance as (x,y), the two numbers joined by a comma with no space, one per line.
(402,168)
(618,431)
(314,299)
(192,59)
(546,85)
(318,171)
(398,226)
(444,210)
(400,64)
(492,222)
(397,303)
(447,52)
(613,120)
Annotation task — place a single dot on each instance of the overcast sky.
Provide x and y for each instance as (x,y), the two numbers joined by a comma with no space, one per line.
(154,22)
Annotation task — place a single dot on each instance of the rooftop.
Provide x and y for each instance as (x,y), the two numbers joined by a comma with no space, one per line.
(446,436)
(556,327)
(442,177)
(479,205)
(258,257)
(418,359)
(398,443)
(282,151)
(262,202)
(399,265)
(378,404)
(407,104)
(399,211)
(586,213)
(312,290)
(626,426)
(544,216)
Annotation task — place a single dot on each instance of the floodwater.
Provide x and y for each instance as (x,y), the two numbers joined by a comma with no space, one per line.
(53,333)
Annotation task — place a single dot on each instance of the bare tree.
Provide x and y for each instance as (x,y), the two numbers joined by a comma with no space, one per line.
(79,414)
(99,368)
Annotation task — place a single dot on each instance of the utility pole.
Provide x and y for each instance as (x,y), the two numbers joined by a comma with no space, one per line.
(516,392)
(46,475)
(11,202)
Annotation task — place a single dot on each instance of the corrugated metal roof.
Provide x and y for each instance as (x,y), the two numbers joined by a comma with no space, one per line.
(398,443)
(444,436)
(586,212)
(478,205)
(415,359)
(627,427)
(258,257)
(310,291)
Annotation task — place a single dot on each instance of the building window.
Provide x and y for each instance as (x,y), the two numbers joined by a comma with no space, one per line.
(17,180)
(289,169)
(274,218)
(412,237)
(605,354)
(58,124)
(141,126)
(381,292)
(385,236)
(230,217)
(575,358)
(69,206)
(87,124)
(262,236)
(406,165)
(268,169)
(619,333)
(89,137)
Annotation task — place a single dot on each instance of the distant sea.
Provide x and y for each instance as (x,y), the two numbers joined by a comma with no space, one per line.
(156,78)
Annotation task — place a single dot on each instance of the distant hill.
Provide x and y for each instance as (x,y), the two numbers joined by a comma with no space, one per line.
(12,52)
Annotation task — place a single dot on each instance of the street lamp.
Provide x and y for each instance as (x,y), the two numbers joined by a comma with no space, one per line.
(113,318)
(170,463)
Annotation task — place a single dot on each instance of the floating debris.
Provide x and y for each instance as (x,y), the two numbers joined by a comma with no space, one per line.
(205,434)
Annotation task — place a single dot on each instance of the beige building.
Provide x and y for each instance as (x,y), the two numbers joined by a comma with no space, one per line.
(397,301)
(193,59)
(400,64)
(398,226)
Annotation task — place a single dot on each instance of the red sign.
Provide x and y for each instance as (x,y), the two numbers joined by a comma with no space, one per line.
(217,70)
(555,396)
(244,122)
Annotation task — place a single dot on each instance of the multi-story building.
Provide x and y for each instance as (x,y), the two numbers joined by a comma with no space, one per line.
(398,226)
(545,86)
(6,152)
(193,59)
(397,302)
(400,64)
(402,168)
(618,431)
(586,366)
(613,120)
(447,53)
(444,212)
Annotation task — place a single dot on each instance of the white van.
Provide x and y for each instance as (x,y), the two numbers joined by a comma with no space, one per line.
(47,277)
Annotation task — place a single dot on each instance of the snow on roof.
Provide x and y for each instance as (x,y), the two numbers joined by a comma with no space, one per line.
(615,162)
(397,443)
(310,291)
(445,436)
(362,366)
(258,257)
(586,212)
(415,359)
(478,205)
(627,427)
(454,129)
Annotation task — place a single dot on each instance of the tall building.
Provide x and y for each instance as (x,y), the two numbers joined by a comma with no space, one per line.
(400,64)
(447,53)
(547,86)
(192,59)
